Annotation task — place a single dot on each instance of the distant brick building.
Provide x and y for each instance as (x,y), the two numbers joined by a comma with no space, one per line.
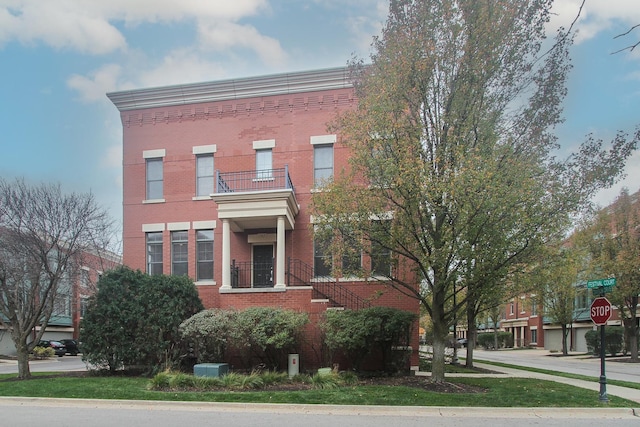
(218,178)
(73,292)
(524,316)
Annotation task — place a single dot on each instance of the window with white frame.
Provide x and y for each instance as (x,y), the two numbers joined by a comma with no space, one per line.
(322,164)
(264,163)
(204,174)
(204,251)
(154,253)
(534,336)
(155,184)
(179,253)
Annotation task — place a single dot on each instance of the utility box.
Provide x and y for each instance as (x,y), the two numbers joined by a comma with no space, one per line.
(211,369)
(294,365)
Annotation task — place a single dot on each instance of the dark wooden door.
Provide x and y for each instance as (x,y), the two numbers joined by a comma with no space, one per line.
(263,266)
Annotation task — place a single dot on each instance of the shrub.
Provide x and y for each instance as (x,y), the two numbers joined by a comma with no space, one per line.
(267,334)
(358,333)
(133,320)
(207,334)
(43,352)
(487,340)
(614,340)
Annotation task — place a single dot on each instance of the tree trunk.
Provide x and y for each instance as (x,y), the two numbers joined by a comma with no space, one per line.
(440,334)
(631,335)
(24,371)
(471,334)
(565,351)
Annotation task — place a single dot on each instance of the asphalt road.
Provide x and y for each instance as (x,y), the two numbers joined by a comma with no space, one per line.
(577,363)
(56,364)
(19,412)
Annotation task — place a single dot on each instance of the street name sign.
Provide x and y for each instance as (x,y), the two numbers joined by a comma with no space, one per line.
(600,311)
(601,283)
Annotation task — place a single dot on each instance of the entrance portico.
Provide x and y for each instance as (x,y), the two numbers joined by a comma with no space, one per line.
(265,204)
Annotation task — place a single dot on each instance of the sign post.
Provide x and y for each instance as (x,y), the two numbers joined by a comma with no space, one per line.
(600,314)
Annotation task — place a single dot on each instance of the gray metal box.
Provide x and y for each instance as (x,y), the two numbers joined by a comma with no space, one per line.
(210,369)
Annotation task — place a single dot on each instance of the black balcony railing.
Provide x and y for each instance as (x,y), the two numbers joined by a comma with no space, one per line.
(251,274)
(255,180)
(301,274)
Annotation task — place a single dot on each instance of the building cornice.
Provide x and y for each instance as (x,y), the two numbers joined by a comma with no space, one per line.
(276,84)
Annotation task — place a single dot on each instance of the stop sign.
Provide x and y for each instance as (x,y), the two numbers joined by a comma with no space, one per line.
(600,310)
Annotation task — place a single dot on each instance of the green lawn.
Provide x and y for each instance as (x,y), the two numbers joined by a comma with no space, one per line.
(499,392)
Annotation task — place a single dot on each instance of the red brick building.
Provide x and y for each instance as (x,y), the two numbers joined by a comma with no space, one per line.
(218,178)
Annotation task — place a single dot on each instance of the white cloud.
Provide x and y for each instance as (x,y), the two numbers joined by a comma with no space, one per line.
(89,27)
(59,24)
(596,15)
(99,82)
(179,66)
(221,36)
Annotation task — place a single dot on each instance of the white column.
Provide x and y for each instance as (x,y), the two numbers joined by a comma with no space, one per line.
(226,255)
(280,283)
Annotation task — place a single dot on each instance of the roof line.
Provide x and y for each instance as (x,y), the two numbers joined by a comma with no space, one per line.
(250,87)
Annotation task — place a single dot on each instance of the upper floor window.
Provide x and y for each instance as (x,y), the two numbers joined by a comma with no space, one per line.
(204,174)
(179,253)
(204,251)
(322,163)
(322,158)
(264,158)
(154,253)
(154,179)
(264,163)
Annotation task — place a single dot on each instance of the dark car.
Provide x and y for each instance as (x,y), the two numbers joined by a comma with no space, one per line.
(57,347)
(73,347)
(461,342)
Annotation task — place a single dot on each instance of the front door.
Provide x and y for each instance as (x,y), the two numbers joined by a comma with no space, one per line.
(262,266)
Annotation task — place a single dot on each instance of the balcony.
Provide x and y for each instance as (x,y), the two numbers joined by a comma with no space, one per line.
(252,181)
(255,199)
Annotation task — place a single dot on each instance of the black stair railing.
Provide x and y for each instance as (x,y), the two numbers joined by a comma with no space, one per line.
(301,274)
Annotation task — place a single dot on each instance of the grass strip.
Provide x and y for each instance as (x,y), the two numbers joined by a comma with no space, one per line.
(499,392)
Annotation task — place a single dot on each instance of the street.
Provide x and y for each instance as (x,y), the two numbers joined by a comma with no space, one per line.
(28,412)
(56,364)
(580,364)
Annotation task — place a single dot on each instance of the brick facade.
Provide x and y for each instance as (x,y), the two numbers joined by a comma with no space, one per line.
(232,120)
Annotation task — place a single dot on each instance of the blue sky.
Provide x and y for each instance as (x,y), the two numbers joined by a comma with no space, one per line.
(58,58)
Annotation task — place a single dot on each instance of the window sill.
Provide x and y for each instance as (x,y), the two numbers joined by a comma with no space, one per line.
(265,179)
(205,283)
(152,201)
(201,198)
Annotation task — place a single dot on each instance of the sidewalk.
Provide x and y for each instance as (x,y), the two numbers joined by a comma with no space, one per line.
(624,392)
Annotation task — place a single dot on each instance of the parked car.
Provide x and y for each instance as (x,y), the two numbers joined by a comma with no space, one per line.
(59,348)
(461,342)
(73,347)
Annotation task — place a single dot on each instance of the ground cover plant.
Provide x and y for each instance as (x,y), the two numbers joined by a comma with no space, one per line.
(394,391)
